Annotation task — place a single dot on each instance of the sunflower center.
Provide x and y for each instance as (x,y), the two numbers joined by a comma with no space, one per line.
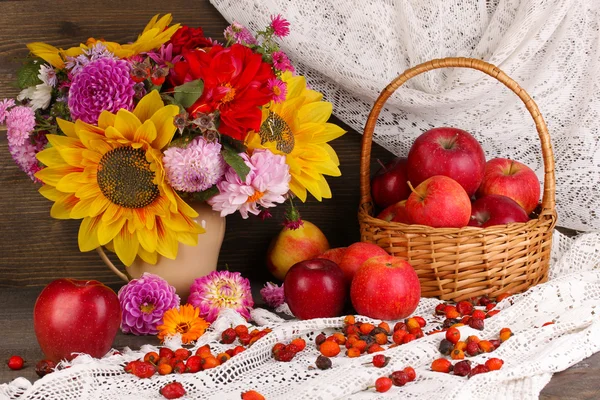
(275,129)
(255,197)
(125,178)
(230,95)
(183,327)
(147,308)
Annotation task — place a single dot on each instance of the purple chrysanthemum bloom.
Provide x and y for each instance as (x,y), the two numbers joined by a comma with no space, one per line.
(219,290)
(196,167)
(273,294)
(24,154)
(104,84)
(282,62)
(20,122)
(280,26)
(143,303)
(4,106)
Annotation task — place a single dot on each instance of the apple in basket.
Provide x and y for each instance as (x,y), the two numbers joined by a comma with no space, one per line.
(395,213)
(386,288)
(439,202)
(450,152)
(388,186)
(511,179)
(76,316)
(315,289)
(494,209)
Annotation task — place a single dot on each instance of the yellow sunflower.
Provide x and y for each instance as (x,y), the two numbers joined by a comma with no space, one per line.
(186,320)
(153,36)
(297,128)
(112,177)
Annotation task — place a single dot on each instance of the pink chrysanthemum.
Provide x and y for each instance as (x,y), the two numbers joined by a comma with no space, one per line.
(282,62)
(4,106)
(20,122)
(279,89)
(280,26)
(273,294)
(24,154)
(238,33)
(104,84)
(265,185)
(196,167)
(143,303)
(220,290)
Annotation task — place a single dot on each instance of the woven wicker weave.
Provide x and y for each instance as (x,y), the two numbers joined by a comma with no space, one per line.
(459,263)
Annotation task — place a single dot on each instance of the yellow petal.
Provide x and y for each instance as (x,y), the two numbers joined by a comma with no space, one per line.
(84,126)
(106,119)
(47,53)
(50,192)
(165,128)
(82,209)
(61,142)
(69,183)
(127,123)
(88,234)
(72,156)
(146,132)
(332,154)
(52,175)
(88,190)
(310,184)
(68,128)
(149,257)
(161,24)
(50,157)
(166,244)
(147,239)
(126,246)
(106,233)
(298,189)
(330,132)
(61,209)
(148,106)
(324,188)
(190,239)
(112,213)
(315,112)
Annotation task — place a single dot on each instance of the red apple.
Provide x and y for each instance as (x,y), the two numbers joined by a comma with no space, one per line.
(356,254)
(334,255)
(75,316)
(450,152)
(511,179)
(385,288)
(395,213)
(388,186)
(315,289)
(439,202)
(494,209)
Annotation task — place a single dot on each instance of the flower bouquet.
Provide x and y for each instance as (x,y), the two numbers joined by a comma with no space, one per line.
(125,136)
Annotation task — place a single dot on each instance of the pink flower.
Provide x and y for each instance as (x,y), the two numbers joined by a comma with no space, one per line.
(273,294)
(280,26)
(282,62)
(4,106)
(238,33)
(196,167)
(219,290)
(20,122)
(24,154)
(266,184)
(279,89)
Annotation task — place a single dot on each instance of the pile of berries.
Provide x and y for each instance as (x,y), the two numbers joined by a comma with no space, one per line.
(243,335)
(285,353)
(465,313)
(396,378)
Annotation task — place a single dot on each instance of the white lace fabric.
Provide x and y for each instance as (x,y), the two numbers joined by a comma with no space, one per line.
(570,298)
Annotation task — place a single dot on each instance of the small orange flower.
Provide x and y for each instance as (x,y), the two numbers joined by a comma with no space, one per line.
(186,321)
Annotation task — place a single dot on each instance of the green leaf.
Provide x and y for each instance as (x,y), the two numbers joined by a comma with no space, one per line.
(189,92)
(206,194)
(28,75)
(233,159)
(237,145)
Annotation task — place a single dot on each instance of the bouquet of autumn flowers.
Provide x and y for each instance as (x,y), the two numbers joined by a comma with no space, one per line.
(123,136)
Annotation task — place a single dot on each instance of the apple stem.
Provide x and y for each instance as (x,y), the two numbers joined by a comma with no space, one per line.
(382,165)
(412,189)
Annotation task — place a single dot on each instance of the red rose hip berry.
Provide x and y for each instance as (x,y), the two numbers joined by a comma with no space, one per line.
(399,378)
(383,384)
(173,390)
(15,363)
(441,365)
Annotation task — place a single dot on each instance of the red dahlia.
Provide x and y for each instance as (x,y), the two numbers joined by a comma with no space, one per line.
(186,38)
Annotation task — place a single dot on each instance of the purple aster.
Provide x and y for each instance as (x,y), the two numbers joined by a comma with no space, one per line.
(196,167)
(4,106)
(164,57)
(281,61)
(238,33)
(219,290)
(104,84)
(24,154)
(273,294)
(143,303)
(20,122)
(280,26)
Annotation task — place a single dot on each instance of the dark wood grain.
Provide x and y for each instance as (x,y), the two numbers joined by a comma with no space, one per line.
(36,249)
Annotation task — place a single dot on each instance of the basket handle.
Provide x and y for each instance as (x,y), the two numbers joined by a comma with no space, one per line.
(110,265)
(548,200)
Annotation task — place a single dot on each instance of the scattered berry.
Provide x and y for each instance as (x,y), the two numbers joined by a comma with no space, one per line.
(476,323)
(193,364)
(492,313)
(453,335)
(286,355)
(485,346)
(240,329)
(164,369)
(464,307)
(277,348)
(173,390)
(399,378)
(152,357)
(408,338)
(329,348)
(252,395)
(349,320)
(399,335)
(462,368)
(448,322)
(320,339)
(478,369)
(143,369)
(203,351)
(501,297)
(484,301)
(410,371)
(440,309)
(44,367)
(400,326)
(445,347)
(441,365)
(222,357)
(479,314)
(496,343)
(385,326)
(473,338)
(299,343)
(380,360)
(548,323)
(494,364)
(490,307)
(472,349)
(505,334)
(228,336)
(353,352)
(366,328)
(15,362)
(182,354)
(451,312)
(421,321)
(374,348)
(383,384)
(323,362)
(457,355)
(460,346)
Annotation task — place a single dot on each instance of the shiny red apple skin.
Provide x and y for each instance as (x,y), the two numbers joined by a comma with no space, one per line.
(439,202)
(494,209)
(315,289)
(386,288)
(389,186)
(450,152)
(355,255)
(395,213)
(76,316)
(511,179)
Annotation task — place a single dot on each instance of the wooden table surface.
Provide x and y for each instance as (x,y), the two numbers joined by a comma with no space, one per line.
(36,249)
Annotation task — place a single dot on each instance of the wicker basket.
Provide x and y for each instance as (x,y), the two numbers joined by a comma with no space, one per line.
(460,263)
